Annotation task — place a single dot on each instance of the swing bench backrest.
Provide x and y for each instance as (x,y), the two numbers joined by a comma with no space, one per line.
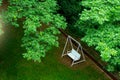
(74,55)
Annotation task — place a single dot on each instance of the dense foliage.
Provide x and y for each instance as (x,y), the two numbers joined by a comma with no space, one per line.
(100,21)
(40,22)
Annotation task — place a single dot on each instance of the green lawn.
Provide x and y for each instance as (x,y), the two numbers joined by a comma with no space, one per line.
(14,67)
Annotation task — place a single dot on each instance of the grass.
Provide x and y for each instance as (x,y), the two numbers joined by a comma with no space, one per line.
(14,67)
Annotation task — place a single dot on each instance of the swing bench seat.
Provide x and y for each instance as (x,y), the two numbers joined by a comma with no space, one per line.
(74,55)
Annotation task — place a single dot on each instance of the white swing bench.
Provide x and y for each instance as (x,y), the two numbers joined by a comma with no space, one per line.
(73,54)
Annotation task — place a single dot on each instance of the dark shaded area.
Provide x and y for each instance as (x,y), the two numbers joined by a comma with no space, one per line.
(71,10)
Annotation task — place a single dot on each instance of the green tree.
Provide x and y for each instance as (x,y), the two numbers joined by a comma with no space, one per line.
(100,21)
(40,22)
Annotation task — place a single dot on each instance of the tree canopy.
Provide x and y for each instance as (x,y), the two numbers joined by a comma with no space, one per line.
(100,21)
(40,22)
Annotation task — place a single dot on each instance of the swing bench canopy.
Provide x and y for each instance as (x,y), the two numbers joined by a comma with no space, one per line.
(73,54)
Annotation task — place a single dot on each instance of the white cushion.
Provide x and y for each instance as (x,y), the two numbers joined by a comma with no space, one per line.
(74,55)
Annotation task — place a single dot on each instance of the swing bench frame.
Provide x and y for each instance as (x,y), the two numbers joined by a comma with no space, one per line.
(73,54)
